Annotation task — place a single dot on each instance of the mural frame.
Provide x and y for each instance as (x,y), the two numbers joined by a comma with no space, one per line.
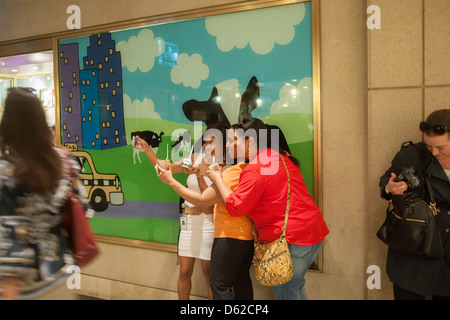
(198,13)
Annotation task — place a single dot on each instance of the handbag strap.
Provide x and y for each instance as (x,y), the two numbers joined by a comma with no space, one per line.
(288,199)
(283,229)
(427,181)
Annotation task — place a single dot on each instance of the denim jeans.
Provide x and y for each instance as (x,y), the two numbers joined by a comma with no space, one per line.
(302,258)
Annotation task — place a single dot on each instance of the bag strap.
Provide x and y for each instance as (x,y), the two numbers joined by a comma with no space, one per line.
(283,229)
(288,199)
(428,183)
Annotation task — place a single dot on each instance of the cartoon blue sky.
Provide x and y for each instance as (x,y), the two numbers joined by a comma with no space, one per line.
(165,65)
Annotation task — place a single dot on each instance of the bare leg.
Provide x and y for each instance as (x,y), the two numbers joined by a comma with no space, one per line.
(205,267)
(184,279)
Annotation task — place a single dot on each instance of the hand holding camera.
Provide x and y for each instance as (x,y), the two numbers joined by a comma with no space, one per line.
(406,180)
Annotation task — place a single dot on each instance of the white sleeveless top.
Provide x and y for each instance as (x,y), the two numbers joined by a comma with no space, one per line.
(192,183)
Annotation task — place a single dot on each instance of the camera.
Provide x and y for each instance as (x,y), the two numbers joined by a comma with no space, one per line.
(409,175)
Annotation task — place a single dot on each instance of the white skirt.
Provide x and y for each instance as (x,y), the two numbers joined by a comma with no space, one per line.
(197,238)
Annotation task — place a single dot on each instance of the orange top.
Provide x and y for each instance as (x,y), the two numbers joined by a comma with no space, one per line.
(226,226)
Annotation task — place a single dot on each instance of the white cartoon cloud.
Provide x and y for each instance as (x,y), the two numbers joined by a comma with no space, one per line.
(190,70)
(139,109)
(259,28)
(140,52)
(295,98)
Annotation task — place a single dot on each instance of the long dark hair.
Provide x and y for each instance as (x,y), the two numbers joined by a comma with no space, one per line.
(26,142)
(281,144)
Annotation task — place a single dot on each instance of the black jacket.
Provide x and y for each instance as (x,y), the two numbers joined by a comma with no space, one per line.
(422,275)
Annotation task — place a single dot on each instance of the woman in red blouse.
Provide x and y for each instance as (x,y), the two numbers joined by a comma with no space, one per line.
(262,195)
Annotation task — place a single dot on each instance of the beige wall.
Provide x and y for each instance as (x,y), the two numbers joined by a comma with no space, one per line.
(409,77)
(376,86)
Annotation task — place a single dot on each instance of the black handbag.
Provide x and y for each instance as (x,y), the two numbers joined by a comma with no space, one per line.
(410,225)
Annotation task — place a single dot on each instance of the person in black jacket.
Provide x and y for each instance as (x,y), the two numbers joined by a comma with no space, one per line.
(416,276)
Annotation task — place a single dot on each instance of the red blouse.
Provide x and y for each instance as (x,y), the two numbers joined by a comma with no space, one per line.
(262,195)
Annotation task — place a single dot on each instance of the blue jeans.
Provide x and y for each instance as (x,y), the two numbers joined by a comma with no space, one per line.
(302,258)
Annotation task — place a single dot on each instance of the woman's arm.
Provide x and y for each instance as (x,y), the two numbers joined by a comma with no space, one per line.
(406,157)
(143,145)
(175,167)
(203,200)
(221,188)
(201,182)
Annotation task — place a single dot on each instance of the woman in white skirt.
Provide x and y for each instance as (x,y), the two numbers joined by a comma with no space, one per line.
(196,238)
(196,227)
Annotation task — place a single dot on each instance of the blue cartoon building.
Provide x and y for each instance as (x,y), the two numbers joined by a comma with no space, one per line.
(104,63)
(70,95)
(90,116)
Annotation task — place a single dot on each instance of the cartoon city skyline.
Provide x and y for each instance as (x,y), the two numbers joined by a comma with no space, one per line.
(92,112)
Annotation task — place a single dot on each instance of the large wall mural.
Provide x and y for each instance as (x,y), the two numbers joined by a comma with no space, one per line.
(158,81)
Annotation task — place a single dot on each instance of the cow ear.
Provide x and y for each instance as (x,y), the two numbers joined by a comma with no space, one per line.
(249,100)
(210,111)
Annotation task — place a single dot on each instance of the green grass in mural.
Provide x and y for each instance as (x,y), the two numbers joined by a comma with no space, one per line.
(297,127)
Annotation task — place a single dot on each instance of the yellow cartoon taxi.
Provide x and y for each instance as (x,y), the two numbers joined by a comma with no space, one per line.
(101,189)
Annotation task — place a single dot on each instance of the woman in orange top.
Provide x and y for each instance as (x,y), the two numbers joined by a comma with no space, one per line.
(232,250)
